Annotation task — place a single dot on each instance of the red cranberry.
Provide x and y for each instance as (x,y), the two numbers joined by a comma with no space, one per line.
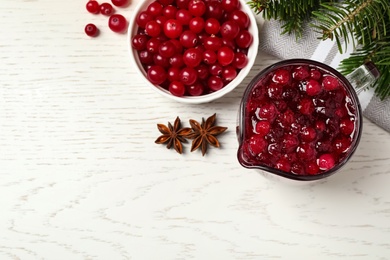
(281,76)
(326,162)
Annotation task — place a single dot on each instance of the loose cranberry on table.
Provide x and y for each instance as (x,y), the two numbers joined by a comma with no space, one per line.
(201,44)
(91,30)
(93,7)
(117,23)
(299,119)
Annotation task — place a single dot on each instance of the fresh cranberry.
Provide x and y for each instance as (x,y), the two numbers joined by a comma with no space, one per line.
(195,89)
(153,45)
(106,9)
(240,17)
(197,7)
(139,42)
(182,4)
(173,28)
(196,24)
(177,88)
(244,39)
(91,30)
(173,74)
(183,16)
(228,73)
(212,26)
(192,57)
(214,9)
(230,5)
(155,9)
(176,61)
(213,43)
(229,30)
(157,74)
(188,75)
(188,39)
(209,57)
(145,57)
(117,23)
(225,56)
(143,18)
(240,60)
(169,11)
(93,7)
(152,28)
(202,72)
(215,83)
(215,69)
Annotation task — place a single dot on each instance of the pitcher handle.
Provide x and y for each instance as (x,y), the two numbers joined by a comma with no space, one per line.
(363,77)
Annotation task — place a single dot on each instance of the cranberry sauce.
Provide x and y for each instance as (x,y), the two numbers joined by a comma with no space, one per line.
(299,119)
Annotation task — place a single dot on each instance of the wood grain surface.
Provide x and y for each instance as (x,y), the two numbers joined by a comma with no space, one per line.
(81,176)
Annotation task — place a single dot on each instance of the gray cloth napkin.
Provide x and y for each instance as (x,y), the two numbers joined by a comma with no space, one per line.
(309,47)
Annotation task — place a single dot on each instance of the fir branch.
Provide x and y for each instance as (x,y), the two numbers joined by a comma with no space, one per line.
(293,14)
(358,21)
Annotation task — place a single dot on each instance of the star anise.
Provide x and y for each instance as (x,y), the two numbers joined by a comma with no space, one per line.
(205,133)
(173,135)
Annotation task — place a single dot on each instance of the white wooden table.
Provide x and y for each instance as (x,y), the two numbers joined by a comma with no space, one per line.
(81,176)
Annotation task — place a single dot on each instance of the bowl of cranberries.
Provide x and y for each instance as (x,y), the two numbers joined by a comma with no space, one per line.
(298,119)
(193,51)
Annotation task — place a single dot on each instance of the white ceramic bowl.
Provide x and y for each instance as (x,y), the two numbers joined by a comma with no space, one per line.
(252,52)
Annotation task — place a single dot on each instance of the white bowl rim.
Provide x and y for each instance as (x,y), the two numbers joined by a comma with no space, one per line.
(252,53)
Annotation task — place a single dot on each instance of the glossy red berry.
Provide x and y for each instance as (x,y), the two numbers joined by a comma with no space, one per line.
(93,7)
(225,55)
(197,7)
(117,23)
(152,28)
(156,74)
(155,9)
(173,28)
(177,88)
(91,30)
(192,57)
(106,9)
(188,76)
